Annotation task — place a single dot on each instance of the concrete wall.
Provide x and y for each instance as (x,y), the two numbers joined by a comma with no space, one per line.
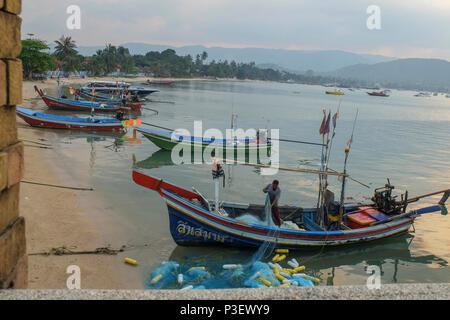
(13,258)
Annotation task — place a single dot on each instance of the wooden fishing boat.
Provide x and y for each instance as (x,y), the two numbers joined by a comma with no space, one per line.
(108,100)
(45,120)
(66,104)
(193,221)
(167,140)
(109,87)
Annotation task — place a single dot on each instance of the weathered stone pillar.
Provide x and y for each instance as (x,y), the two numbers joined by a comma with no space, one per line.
(13,257)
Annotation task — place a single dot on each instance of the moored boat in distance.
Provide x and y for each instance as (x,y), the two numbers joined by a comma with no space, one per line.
(384,93)
(335,92)
(158,83)
(45,120)
(423,94)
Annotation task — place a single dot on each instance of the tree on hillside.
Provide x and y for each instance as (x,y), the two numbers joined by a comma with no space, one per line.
(33,59)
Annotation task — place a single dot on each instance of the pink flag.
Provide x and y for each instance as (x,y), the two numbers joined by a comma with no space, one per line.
(349,143)
(334,120)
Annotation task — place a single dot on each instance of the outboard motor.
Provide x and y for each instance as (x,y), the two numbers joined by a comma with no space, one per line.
(387,203)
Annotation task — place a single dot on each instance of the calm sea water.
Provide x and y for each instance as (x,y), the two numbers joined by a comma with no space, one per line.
(402,137)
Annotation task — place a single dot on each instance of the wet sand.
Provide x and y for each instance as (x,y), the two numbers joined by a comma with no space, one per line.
(56,217)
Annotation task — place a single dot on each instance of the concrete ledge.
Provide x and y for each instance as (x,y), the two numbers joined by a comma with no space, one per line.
(386,292)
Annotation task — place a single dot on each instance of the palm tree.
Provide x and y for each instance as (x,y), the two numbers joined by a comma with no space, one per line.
(65,52)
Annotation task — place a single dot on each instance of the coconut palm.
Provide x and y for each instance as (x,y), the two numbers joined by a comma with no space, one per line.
(66,52)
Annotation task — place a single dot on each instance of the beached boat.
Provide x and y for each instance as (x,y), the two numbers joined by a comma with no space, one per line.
(45,120)
(193,221)
(335,92)
(110,87)
(167,140)
(108,100)
(383,93)
(81,105)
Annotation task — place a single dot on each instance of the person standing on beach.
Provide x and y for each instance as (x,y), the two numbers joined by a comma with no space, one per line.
(274,192)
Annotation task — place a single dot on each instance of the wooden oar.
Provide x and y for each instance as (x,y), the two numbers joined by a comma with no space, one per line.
(283,169)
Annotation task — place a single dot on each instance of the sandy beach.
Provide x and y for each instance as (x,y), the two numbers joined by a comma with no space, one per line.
(56,217)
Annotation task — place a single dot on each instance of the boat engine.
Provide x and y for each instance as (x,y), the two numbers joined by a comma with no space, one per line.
(387,203)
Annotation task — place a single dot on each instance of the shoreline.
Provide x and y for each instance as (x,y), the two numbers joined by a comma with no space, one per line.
(55,217)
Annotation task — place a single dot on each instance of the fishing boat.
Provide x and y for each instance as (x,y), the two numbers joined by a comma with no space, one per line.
(45,120)
(158,83)
(195,220)
(169,139)
(335,92)
(109,87)
(108,100)
(66,104)
(423,94)
(384,93)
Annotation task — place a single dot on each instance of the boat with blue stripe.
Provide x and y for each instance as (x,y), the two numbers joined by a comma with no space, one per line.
(194,221)
(46,120)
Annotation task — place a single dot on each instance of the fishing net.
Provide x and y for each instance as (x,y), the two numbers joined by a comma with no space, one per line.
(213,275)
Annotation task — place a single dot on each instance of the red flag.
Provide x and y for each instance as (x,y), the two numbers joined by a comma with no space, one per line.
(322,126)
(327,124)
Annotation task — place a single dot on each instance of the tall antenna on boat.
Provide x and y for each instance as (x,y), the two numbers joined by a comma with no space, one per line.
(347,151)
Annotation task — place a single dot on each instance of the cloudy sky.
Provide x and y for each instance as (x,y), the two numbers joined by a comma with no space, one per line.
(409,28)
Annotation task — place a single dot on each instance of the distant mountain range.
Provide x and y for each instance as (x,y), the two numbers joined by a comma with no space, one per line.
(292,60)
(389,72)
(428,74)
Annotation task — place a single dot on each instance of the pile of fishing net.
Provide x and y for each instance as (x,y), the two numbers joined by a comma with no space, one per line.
(253,274)
(171,275)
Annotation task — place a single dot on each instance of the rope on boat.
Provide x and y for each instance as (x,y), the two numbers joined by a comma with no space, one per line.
(56,186)
(160,101)
(154,125)
(150,109)
(298,141)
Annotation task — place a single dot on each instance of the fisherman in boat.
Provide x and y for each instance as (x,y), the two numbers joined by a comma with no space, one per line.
(274,195)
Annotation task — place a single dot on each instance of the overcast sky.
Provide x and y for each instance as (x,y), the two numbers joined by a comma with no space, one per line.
(409,28)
